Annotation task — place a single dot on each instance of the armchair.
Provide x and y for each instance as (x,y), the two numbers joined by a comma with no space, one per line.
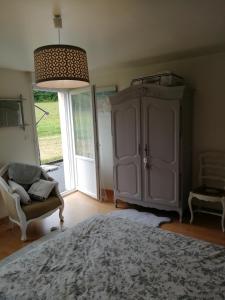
(22,214)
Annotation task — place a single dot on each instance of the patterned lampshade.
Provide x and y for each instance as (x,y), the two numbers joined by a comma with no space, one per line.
(61,66)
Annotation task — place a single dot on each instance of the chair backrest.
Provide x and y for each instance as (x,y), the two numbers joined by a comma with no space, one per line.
(212,169)
(4,172)
(24,173)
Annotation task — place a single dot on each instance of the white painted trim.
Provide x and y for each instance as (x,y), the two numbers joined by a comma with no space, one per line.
(67,140)
(72,139)
(34,130)
(3,169)
(96,152)
(107,88)
(85,158)
(96,142)
(67,193)
(88,193)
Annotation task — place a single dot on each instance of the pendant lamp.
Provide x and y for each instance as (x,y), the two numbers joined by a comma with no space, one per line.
(60,66)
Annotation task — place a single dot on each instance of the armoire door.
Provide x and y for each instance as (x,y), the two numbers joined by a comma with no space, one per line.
(126,146)
(160,121)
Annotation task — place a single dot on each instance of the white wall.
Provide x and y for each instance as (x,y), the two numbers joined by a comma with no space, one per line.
(207,75)
(17,144)
(105,149)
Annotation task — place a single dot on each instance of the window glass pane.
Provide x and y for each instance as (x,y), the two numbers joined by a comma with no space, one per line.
(83,124)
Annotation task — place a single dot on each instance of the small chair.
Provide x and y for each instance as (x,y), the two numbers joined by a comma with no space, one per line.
(22,214)
(212,184)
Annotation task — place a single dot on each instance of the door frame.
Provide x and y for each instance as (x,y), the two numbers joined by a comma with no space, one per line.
(95,132)
(65,112)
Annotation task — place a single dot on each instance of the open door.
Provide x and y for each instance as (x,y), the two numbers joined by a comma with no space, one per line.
(83,112)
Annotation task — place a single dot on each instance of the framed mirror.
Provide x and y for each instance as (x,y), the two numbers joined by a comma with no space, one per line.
(11,113)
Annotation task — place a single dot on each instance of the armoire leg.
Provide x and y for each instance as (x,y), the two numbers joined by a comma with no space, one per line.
(180,216)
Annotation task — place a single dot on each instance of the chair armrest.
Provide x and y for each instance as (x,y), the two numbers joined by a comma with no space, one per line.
(55,190)
(44,175)
(12,204)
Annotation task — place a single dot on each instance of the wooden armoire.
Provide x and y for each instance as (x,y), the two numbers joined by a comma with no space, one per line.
(152,145)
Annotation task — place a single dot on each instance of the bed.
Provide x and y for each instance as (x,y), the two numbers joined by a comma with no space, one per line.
(108,257)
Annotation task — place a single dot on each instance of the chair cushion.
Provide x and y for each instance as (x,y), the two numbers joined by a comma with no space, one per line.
(209,191)
(41,189)
(17,188)
(37,208)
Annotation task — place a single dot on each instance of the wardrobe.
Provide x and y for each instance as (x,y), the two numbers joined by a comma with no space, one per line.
(152,146)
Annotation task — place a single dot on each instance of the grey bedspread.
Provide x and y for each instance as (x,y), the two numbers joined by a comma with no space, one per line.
(112,258)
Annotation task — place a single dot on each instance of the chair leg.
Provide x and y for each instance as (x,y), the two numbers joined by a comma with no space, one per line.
(23,228)
(11,225)
(61,214)
(190,207)
(223,215)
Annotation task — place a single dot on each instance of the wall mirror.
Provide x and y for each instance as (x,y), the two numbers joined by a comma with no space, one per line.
(11,113)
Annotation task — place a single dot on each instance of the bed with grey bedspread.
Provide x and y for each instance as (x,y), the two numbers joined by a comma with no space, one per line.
(112,258)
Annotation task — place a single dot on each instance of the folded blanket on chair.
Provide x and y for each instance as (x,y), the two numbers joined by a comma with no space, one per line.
(24,174)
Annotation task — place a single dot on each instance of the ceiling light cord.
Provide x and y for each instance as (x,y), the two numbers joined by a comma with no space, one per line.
(58,24)
(59,36)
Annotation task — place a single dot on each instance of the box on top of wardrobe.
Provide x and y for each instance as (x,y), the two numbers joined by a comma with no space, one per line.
(166,78)
(152,90)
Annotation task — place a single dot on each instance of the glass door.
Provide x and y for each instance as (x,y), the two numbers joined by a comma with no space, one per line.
(85,141)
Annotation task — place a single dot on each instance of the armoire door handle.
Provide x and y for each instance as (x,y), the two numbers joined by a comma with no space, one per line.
(146,163)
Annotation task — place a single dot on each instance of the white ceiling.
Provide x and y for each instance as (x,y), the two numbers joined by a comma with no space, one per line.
(112,31)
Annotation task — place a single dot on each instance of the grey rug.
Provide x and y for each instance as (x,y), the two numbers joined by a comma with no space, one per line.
(114,258)
(145,218)
(140,217)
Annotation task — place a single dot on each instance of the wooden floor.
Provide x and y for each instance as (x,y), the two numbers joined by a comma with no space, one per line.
(78,207)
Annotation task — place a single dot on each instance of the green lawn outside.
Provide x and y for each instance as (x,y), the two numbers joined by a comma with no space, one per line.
(49,134)
(49,125)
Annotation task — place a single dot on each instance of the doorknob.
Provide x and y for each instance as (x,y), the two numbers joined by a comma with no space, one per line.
(146,158)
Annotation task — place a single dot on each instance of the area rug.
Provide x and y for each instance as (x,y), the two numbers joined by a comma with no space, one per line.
(114,258)
(146,218)
(31,246)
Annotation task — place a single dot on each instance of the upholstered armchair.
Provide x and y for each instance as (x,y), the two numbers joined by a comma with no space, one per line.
(22,214)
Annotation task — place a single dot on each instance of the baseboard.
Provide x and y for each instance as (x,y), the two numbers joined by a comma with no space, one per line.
(107,195)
